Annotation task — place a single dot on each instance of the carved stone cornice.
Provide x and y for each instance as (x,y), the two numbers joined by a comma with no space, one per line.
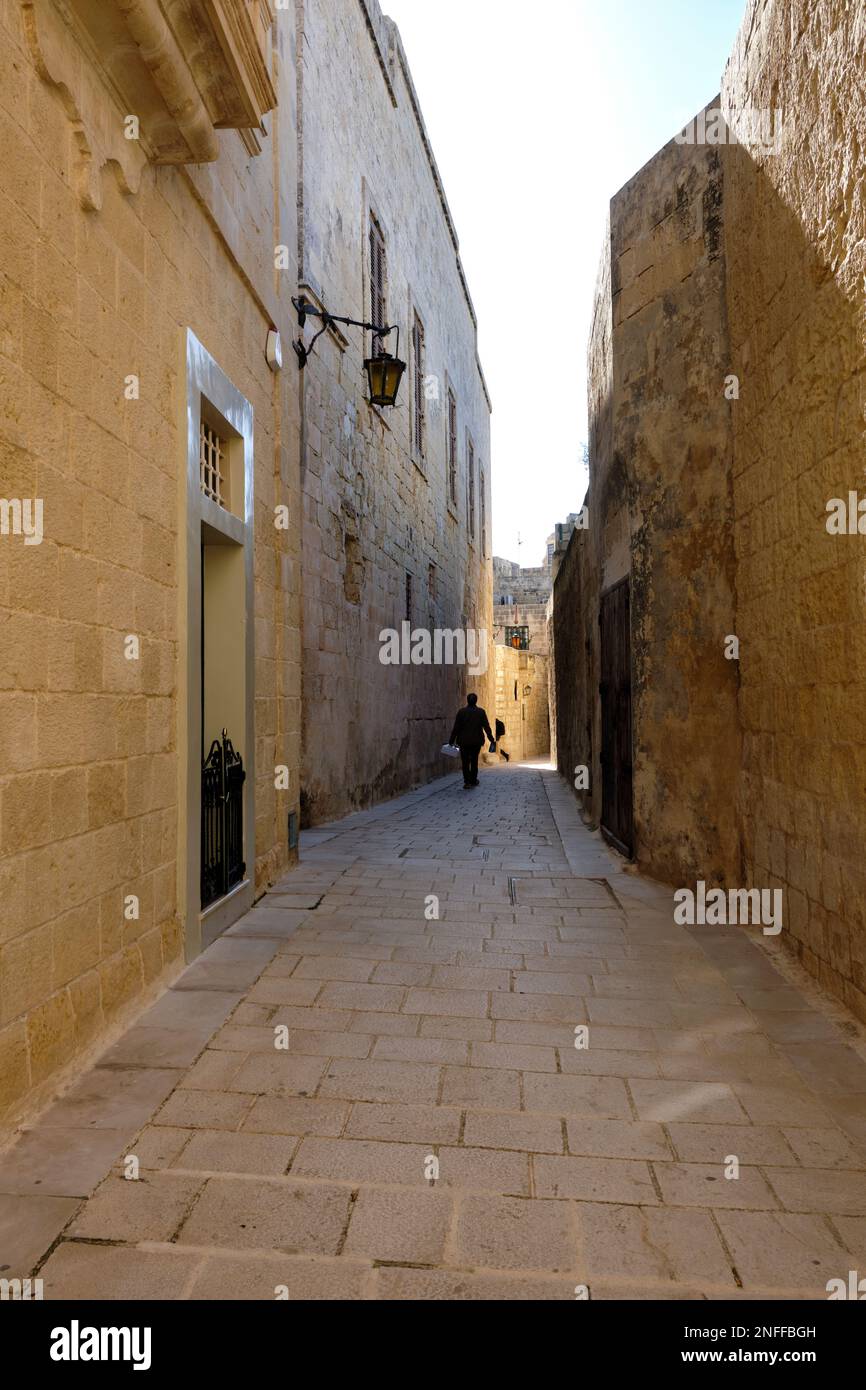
(152,79)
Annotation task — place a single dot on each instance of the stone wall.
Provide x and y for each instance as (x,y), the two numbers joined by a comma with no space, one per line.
(795,237)
(521,702)
(728,408)
(660,514)
(103,271)
(375,512)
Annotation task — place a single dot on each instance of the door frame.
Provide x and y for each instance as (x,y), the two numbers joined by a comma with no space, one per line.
(206,380)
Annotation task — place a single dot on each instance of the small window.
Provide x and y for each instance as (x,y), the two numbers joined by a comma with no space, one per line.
(212,464)
(408,597)
(431,580)
(419,422)
(378,283)
(470,488)
(452,448)
(517,637)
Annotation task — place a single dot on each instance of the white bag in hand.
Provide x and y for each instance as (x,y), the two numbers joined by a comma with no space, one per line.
(451,750)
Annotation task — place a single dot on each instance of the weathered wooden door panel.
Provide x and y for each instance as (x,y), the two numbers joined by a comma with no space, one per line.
(616,759)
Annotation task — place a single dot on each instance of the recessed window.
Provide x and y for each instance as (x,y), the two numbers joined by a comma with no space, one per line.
(470,488)
(378,283)
(419,422)
(408,597)
(212,464)
(452,448)
(483,502)
(431,580)
(517,637)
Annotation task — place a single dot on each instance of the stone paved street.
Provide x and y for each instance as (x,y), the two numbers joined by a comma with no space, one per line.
(411,1038)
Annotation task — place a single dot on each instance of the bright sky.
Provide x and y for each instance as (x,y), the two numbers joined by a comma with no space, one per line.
(537,115)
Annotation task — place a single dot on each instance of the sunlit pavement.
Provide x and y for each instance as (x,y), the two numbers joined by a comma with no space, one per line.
(458,1053)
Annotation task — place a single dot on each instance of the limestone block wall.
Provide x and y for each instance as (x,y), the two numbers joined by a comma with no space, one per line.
(795,237)
(521,702)
(660,513)
(382,544)
(89,743)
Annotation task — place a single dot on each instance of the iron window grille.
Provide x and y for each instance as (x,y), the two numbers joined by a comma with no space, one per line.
(222,820)
(212,461)
(517,637)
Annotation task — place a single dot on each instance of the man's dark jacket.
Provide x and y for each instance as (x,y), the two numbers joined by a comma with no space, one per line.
(470,726)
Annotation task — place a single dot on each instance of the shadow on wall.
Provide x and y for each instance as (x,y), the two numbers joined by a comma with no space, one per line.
(795,766)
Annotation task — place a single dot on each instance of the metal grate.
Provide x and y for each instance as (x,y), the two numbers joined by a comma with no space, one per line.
(211,464)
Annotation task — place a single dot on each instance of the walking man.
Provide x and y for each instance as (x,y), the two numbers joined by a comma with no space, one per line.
(468,733)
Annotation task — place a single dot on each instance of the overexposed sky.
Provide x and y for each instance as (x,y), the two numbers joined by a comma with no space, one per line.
(537,115)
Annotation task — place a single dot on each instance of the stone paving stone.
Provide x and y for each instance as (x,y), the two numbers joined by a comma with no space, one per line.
(594,1061)
(424,1124)
(280,1074)
(214,1070)
(512,1233)
(752,1144)
(261,1277)
(215,1151)
(453,1003)
(484,1170)
(486,1087)
(705,1185)
(373,1080)
(658,1243)
(526,1133)
(777,1105)
(465,1029)
(151,1207)
(204,1110)
(437,1050)
(333,968)
(514,1057)
(158,1146)
(686,1100)
(595,1138)
(96,1272)
(366,1160)
(819,1189)
(576,1095)
(246,1213)
(29,1225)
(60,1162)
(295,1115)
(111,1098)
(395,1225)
(594,1179)
(779,1250)
(823,1148)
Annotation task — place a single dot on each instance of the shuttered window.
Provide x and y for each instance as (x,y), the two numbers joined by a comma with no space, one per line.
(452,448)
(378,283)
(470,488)
(418,422)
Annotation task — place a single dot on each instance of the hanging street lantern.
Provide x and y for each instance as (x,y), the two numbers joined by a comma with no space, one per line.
(384,370)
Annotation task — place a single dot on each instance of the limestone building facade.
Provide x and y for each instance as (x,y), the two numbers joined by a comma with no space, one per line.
(148,173)
(707,628)
(396,503)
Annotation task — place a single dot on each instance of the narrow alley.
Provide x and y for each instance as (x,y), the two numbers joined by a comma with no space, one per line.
(459,1053)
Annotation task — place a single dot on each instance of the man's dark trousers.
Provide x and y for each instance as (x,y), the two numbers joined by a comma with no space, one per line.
(469,759)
